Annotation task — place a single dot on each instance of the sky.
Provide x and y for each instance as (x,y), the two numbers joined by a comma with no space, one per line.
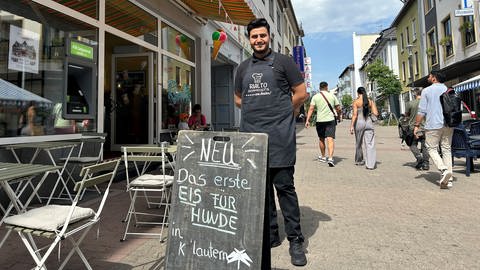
(329,25)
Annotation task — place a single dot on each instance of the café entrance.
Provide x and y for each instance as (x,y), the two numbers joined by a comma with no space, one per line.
(130,102)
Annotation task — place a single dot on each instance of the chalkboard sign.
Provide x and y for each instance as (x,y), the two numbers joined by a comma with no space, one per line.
(218,201)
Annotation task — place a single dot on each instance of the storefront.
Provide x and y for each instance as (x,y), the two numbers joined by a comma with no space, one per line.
(469,91)
(118,67)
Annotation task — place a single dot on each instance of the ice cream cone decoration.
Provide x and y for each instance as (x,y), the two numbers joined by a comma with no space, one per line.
(181,41)
(219,37)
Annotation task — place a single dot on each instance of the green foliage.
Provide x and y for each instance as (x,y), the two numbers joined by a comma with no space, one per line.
(430,51)
(446,40)
(347,101)
(466,26)
(387,82)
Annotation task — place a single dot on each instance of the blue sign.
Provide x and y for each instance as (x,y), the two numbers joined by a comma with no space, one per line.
(298,56)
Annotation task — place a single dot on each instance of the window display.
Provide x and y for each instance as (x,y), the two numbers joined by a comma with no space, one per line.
(33,70)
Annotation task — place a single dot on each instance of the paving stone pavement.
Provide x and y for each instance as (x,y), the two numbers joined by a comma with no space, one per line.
(394,217)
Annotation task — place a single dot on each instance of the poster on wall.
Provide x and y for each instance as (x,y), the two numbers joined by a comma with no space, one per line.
(23,50)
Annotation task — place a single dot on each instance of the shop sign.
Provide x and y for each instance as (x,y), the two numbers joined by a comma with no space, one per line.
(298,56)
(81,50)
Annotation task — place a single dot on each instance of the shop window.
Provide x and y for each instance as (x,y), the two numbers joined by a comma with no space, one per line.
(87,7)
(176,92)
(131,19)
(177,43)
(34,75)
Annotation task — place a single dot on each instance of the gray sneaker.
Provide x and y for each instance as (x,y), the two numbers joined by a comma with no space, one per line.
(322,159)
(330,162)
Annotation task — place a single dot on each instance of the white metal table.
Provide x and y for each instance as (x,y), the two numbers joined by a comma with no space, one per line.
(48,147)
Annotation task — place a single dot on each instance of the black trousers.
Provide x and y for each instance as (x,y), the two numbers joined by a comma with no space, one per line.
(282,180)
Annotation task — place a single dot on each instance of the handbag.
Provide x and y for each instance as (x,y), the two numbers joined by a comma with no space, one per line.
(373,117)
(331,108)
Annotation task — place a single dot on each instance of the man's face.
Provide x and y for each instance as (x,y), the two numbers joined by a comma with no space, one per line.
(431,78)
(259,40)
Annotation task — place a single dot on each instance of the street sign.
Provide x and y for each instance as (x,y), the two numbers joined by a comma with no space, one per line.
(464,12)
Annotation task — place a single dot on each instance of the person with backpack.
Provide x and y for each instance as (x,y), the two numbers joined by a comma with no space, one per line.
(420,154)
(437,133)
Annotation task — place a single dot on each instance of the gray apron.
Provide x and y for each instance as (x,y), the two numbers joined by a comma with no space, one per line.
(266,108)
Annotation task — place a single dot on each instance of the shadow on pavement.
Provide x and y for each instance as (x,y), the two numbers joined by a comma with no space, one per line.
(310,221)
(431,177)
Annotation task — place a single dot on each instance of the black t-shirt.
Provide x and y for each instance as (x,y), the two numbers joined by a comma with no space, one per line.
(265,87)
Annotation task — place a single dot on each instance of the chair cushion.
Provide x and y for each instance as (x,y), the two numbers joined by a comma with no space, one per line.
(48,218)
(151,180)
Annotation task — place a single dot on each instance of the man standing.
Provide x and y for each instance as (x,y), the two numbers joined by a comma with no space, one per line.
(326,124)
(420,154)
(269,88)
(436,132)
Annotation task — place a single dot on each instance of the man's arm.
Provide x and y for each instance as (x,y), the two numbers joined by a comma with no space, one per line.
(238,99)
(339,112)
(309,115)
(416,126)
(299,96)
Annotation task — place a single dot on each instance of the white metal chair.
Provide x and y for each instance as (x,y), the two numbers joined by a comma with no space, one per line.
(154,187)
(90,152)
(60,222)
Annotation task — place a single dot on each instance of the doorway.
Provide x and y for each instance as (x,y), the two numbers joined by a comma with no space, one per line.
(130,101)
(222,97)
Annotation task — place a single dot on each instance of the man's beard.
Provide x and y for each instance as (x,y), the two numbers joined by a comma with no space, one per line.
(264,51)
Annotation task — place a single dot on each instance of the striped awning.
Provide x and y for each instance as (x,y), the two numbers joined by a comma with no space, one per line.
(239,12)
(9,91)
(469,84)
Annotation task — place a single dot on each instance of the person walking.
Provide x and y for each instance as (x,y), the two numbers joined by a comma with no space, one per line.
(326,121)
(421,155)
(270,89)
(437,134)
(364,113)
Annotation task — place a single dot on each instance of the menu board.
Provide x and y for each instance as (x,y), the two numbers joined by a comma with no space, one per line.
(218,201)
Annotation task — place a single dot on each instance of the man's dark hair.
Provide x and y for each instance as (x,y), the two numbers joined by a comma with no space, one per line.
(439,75)
(257,23)
(417,91)
(323,85)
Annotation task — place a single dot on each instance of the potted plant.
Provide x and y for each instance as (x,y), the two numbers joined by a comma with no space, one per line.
(430,51)
(446,41)
(466,26)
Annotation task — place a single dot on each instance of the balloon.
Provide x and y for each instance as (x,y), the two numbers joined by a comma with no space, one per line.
(183,38)
(223,36)
(215,35)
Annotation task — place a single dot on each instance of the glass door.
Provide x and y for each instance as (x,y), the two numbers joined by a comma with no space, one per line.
(132,117)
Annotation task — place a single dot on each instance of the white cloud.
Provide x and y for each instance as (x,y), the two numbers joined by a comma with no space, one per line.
(362,16)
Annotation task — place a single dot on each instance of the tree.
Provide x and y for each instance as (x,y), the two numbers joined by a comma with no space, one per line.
(347,101)
(387,82)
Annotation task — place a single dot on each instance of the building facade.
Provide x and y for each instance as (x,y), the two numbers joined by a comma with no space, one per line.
(127,68)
